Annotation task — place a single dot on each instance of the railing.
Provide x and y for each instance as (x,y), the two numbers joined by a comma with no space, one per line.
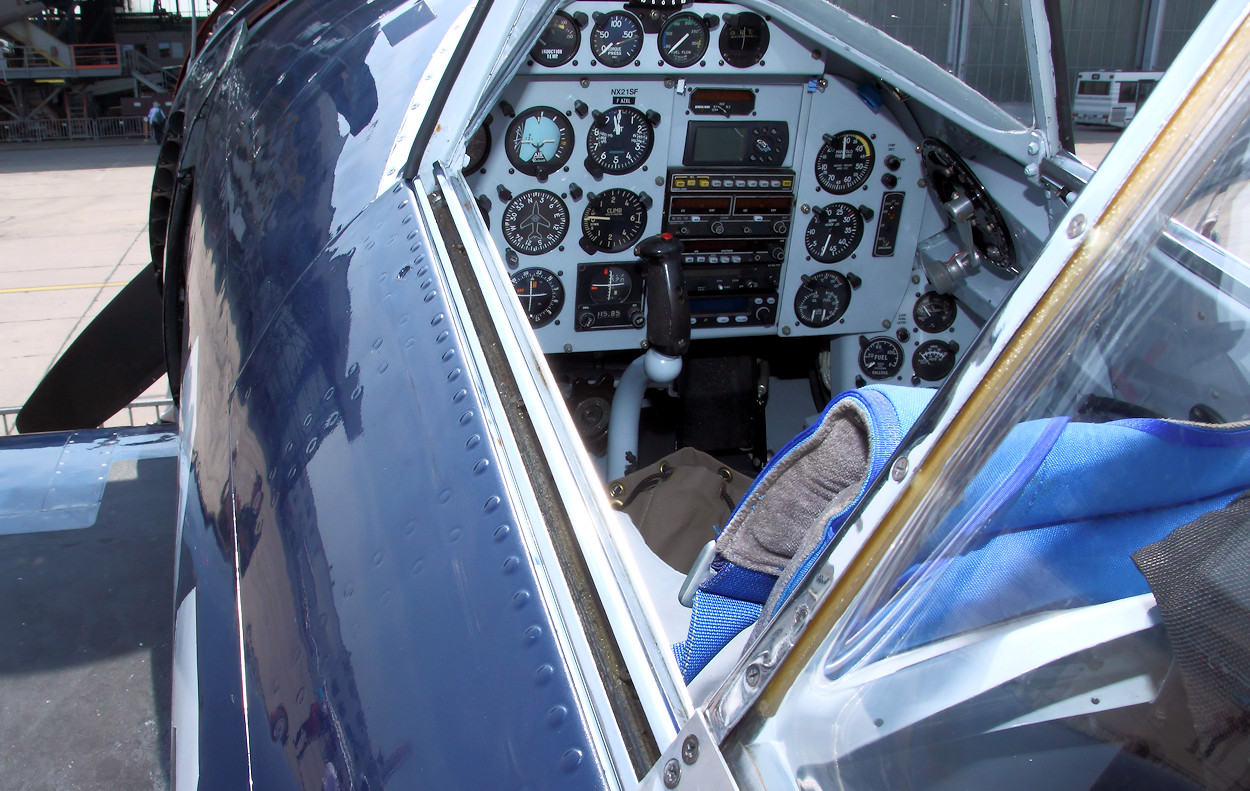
(39,130)
(149,411)
(96,56)
(22,61)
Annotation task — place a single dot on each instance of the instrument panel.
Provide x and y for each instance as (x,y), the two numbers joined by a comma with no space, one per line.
(798,197)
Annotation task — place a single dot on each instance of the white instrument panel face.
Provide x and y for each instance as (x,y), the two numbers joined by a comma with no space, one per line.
(797,195)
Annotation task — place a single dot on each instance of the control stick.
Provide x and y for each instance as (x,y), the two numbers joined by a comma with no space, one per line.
(668,338)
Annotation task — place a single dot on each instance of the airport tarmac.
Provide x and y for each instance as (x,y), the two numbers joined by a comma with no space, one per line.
(73,231)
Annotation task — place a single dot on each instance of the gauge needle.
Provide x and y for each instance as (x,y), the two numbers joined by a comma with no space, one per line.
(828,241)
(617,120)
(596,217)
(680,41)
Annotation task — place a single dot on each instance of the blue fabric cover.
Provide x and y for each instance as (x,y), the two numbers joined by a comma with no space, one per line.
(1049,522)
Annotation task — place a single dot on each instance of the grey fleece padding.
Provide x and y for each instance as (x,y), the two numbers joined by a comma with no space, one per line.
(784,517)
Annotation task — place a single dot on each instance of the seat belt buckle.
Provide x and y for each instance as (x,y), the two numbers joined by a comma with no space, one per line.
(699,573)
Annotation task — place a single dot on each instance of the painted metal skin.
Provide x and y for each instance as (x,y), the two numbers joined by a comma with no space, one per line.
(346,527)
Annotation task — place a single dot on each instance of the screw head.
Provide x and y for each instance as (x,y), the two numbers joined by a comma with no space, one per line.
(672,773)
(1077,226)
(899,471)
(690,749)
(753,675)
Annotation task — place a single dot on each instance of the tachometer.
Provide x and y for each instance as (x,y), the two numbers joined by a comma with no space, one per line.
(844,162)
(540,141)
(559,42)
(822,299)
(834,232)
(683,39)
(613,220)
(616,38)
(619,141)
(535,222)
(541,294)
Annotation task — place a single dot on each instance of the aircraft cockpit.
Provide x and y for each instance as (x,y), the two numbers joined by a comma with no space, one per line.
(827,240)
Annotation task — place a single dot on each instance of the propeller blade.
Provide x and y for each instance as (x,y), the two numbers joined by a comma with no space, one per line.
(118,356)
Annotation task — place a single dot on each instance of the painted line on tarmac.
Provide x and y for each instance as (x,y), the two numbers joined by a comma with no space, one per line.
(60,288)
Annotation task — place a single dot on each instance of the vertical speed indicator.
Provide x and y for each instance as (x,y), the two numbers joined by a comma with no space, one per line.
(844,162)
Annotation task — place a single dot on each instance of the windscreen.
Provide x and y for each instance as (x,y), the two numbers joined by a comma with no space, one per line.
(1072,610)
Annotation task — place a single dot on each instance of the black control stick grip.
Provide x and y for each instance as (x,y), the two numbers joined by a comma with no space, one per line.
(668,310)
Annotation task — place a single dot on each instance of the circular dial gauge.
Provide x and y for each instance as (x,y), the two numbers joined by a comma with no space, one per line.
(611,285)
(535,222)
(541,294)
(880,358)
(616,38)
(478,148)
(844,162)
(955,184)
(620,140)
(822,299)
(540,141)
(934,312)
(744,39)
(613,220)
(933,360)
(834,232)
(559,42)
(683,39)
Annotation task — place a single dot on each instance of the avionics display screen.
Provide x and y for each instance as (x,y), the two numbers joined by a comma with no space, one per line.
(716,144)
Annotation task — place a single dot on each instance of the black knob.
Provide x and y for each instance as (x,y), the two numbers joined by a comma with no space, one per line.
(780,227)
(889,181)
(892,162)
(586,320)
(718,227)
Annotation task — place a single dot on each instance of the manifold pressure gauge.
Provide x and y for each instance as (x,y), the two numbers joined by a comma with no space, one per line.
(844,162)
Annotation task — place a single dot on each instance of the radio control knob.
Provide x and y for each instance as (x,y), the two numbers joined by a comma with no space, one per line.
(780,227)
(586,320)
(718,227)
(764,314)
